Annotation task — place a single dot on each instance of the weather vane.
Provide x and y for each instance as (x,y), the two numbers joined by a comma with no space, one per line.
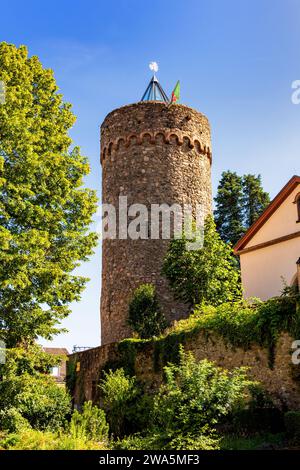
(153,66)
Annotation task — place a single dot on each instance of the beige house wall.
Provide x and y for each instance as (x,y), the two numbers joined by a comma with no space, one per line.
(281,223)
(263,269)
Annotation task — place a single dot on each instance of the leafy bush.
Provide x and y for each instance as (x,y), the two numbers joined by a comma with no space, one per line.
(139,442)
(138,412)
(134,416)
(145,316)
(38,399)
(260,397)
(90,424)
(207,274)
(119,391)
(188,406)
(292,424)
(12,421)
(86,430)
(205,440)
(163,441)
(26,387)
(197,394)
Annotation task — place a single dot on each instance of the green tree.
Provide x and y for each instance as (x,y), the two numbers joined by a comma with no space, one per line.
(239,202)
(145,316)
(255,199)
(44,210)
(208,274)
(229,207)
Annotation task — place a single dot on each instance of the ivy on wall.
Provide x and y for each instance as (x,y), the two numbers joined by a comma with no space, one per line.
(240,324)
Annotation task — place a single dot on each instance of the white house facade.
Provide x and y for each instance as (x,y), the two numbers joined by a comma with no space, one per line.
(270,249)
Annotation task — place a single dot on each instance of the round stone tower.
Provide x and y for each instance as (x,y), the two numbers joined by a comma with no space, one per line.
(152,154)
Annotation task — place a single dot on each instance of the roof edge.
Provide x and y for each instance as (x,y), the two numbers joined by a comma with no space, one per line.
(272,207)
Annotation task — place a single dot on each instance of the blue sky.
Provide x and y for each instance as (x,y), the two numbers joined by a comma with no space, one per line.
(236,60)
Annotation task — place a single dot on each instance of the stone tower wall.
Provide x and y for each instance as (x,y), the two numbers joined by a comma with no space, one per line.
(153,154)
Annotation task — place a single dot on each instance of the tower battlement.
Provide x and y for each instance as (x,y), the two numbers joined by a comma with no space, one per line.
(154,119)
(171,136)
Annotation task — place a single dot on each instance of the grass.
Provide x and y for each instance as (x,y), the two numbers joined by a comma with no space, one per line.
(38,440)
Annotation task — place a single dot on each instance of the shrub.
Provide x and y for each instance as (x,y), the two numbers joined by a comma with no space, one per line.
(145,316)
(90,424)
(26,387)
(12,421)
(205,440)
(86,430)
(188,406)
(138,406)
(119,391)
(138,412)
(45,405)
(38,399)
(196,395)
(139,442)
(292,424)
(161,441)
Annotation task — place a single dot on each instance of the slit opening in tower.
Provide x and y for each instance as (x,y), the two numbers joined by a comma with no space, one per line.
(155,92)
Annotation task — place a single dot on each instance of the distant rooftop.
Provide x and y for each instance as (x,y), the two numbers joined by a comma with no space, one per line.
(56,351)
(154,92)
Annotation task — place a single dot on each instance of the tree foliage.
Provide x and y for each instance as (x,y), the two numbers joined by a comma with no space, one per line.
(208,274)
(255,199)
(145,316)
(239,202)
(229,209)
(44,210)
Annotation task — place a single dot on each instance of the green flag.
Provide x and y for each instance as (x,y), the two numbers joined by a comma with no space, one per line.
(176,93)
